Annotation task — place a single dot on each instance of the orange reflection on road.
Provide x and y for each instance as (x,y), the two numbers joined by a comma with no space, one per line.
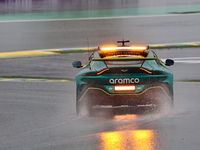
(125,140)
(112,141)
(125,118)
(144,140)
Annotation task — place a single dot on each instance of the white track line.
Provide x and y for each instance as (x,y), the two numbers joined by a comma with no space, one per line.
(187,60)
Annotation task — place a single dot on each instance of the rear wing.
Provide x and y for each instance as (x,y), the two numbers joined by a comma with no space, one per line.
(123,59)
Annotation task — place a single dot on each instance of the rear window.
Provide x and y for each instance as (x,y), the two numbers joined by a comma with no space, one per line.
(122,62)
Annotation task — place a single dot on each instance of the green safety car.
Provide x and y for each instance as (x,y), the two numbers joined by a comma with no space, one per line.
(123,76)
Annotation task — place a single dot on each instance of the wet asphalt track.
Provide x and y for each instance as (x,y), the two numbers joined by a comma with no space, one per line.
(74,33)
(41,115)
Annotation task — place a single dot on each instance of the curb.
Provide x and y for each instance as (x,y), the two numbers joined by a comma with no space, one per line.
(43,52)
(91,49)
(174,45)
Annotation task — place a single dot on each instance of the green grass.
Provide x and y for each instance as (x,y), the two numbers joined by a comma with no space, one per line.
(187,12)
(163,10)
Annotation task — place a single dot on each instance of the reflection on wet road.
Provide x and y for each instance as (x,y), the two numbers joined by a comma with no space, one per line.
(128,139)
(137,140)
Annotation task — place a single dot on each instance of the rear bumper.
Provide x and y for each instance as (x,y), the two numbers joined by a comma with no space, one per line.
(150,95)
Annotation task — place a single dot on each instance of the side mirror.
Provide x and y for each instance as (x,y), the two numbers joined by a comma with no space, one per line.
(77,64)
(169,62)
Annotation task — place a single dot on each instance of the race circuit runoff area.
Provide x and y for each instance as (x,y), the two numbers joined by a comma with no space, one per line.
(37,106)
(56,52)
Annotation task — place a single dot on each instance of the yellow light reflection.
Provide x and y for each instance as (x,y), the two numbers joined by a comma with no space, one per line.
(134,140)
(112,141)
(144,139)
(125,118)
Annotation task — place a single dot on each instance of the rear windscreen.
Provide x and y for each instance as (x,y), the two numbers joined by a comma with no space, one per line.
(120,62)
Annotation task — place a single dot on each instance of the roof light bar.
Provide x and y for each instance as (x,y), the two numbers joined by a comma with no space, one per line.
(139,48)
(133,48)
(108,49)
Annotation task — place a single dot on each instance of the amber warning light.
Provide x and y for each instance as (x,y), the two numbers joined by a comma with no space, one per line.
(125,88)
(132,48)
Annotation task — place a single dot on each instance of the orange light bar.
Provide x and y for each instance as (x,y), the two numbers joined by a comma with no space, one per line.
(102,71)
(108,49)
(134,48)
(147,71)
(125,88)
(142,48)
(118,48)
